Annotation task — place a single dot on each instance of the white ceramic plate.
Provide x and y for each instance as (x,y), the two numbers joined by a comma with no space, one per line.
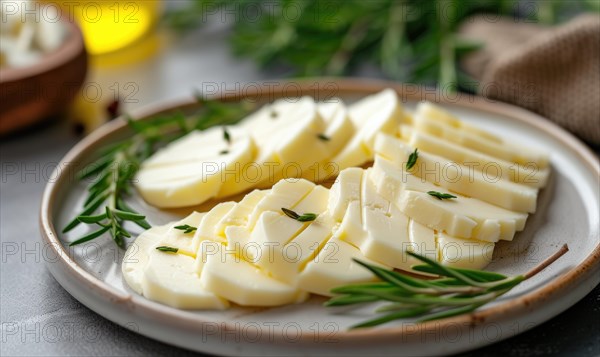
(568,211)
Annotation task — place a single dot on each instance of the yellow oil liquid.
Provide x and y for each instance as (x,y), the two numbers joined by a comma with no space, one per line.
(110,25)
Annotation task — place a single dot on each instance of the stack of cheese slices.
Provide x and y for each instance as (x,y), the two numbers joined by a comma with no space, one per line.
(252,253)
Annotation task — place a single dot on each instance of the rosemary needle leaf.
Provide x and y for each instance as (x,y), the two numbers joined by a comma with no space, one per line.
(350,300)
(307,217)
(446,270)
(88,209)
(128,216)
(94,167)
(412,159)
(143,224)
(441,196)
(478,275)
(92,219)
(449,312)
(323,137)
(394,278)
(186,228)
(290,213)
(164,248)
(90,236)
(226,135)
(416,311)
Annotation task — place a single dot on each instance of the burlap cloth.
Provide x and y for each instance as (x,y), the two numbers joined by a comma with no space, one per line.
(551,71)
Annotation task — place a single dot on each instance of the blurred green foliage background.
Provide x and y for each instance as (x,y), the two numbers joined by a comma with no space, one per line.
(408,40)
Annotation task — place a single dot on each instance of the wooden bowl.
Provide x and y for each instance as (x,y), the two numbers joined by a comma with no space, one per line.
(31,94)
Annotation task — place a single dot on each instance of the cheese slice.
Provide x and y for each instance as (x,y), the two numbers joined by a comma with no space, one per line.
(287,134)
(191,170)
(339,131)
(346,189)
(136,256)
(464,253)
(291,259)
(272,245)
(505,150)
(422,241)
(243,283)
(528,175)
(381,112)
(377,228)
(334,266)
(207,228)
(433,112)
(177,238)
(463,216)
(240,213)
(285,194)
(339,127)
(458,178)
(170,278)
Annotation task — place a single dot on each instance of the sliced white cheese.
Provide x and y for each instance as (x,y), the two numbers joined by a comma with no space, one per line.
(346,189)
(339,126)
(464,253)
(287,134)
(381,112)
(272,245)
(289,260)
(339,131)
(377,228)
(170,278)
(245,284)
(422,242)
(463,216)
(333,267)
(136,256)
(240,213)
(191,170)
(435,113)
(529,175)
(506,150)
(207,229)
(285,194)
(177,238)
(458,178)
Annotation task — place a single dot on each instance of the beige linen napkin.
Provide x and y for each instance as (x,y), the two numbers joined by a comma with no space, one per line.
(551,71)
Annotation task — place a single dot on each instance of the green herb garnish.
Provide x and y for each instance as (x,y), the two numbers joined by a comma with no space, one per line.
(223,152)
(164,248)
(112,173)
(226,135)
(306,217)
(440,196)
(412,159)
(323,137)
(186,228)
(456,292)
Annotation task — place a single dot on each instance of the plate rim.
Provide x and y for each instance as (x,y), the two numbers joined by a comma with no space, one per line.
(516,305)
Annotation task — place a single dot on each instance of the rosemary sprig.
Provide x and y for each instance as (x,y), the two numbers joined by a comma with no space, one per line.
(114,170)
(412,159)
(186,228)
(306,217)
(455,292)
(440,196)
